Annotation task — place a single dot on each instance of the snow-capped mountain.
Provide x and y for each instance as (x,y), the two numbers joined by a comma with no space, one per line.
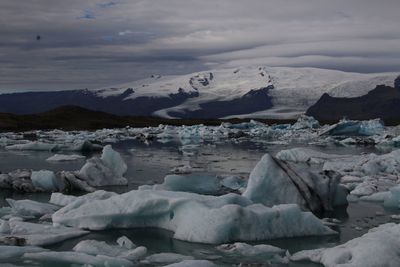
(274,92)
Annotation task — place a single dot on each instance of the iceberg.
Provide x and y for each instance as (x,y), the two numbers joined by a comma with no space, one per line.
(46,181)
(166,258)
(378,247)
(13,252)
(107,170)
(64,200)
(256,253)
(273,182)
(193,217)
(74,258)
(192,263)
(33,234)
(31,208)
(61,157)
(306,155)
(193,183)
(356,128)
(94,247)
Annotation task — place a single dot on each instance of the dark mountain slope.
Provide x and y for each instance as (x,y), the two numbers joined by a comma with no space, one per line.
(383,102)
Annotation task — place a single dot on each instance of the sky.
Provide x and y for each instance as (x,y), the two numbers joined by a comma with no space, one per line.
(92,43)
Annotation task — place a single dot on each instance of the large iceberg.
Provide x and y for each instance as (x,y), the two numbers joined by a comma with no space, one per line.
(193,217)
(274,182)
(379,247)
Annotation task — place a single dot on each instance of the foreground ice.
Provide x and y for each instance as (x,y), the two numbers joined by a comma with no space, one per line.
(94,247)
(193,217)
(166,258)
(14,252)
(256,253)
(73,258)
(63,200)
(46,180)
(192,263)
(62,157)
(379,247)
(34,234)
(275,182)
(32,208)
(194,184)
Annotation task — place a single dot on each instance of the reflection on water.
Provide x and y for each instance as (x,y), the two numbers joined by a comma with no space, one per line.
(148,164)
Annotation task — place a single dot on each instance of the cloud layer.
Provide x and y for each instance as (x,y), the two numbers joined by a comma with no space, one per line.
(87,43)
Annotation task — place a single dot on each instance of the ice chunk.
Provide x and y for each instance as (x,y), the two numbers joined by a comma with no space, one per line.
(257,253)
(13,252)
(305,122)
(108,170)
(233,182)
(356,128)
(392,200)
(39,234)
(73,258)
(31,208)
(125,242)
(193,217)
(61,157)
(274,182)
(40,146)
(378,247)
(63,200)
(306,155)
(94,247)
(46,180)
(37,146)
(166,258)
(376,197)
(192,263)
(114,161)
(200,184)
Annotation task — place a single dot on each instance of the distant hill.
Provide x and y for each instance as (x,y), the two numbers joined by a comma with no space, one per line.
(383,102)
(78,118)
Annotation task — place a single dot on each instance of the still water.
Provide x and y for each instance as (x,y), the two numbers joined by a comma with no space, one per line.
(149,163)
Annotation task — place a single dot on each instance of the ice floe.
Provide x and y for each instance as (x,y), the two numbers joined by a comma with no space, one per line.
(193,217)
(35,234)
(378,247)
(62,157)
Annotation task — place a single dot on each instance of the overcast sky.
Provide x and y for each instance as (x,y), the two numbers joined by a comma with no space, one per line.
(89,43)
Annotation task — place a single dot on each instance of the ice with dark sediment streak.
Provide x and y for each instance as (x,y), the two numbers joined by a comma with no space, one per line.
(193,217)
(273,182)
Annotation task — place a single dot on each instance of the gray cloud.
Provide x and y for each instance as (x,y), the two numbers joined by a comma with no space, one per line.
(89,43)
